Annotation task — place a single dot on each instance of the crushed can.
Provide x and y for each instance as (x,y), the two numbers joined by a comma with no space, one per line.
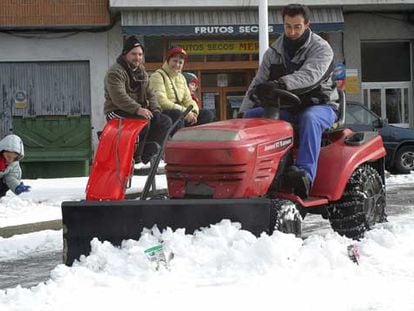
(156,256)
(353,253)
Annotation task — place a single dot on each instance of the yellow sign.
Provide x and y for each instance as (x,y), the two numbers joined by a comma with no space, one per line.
(20,100)
(213,47)
(352,82)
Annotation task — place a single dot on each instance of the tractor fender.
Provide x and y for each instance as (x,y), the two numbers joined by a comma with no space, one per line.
(338,160)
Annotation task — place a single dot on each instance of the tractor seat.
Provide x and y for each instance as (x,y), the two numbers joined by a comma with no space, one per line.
(338,125)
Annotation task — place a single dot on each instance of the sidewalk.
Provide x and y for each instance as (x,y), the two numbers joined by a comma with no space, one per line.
(40,209)
(7,232)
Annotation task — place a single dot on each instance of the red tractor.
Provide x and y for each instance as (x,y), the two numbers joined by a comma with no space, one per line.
(234,169)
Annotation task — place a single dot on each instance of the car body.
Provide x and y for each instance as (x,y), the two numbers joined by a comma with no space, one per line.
(398,141)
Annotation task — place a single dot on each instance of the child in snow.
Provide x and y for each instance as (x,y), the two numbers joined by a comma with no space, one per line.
(11,151)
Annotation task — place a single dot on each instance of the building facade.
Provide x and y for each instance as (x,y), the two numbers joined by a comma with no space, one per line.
(54,56)
(222,45)
(373,40)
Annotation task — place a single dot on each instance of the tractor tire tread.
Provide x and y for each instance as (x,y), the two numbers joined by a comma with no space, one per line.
(347,216)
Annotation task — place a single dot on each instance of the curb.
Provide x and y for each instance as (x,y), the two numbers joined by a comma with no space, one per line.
(7,232)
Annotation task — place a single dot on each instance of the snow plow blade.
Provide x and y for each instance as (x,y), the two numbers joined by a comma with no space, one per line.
(115,221)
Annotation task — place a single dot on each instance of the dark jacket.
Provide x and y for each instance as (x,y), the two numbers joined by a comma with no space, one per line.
(120,96)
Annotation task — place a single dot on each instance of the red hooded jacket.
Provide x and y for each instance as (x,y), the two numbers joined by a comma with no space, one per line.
(3,162)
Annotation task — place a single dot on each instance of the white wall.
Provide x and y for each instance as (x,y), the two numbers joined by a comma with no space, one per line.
(97,48)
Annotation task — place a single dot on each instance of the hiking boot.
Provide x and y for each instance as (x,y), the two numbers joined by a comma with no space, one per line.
(299,181)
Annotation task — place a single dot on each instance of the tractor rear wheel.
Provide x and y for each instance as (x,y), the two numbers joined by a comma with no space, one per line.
(285,217)
(361,206)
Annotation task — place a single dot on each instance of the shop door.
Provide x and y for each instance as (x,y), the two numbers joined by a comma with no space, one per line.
(223,93)
(389,100)
(387,80)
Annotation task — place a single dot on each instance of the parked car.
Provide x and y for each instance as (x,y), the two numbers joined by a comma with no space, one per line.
(398,141)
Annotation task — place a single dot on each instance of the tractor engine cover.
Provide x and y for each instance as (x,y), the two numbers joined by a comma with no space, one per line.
(229,159)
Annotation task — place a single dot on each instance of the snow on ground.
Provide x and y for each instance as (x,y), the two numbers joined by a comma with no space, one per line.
(217,267)
(21,246)
(398,180)
(225,267)
(43,202)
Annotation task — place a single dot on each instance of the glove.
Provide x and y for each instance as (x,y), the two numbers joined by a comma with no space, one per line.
(21,188)
(278,84)
(265,90)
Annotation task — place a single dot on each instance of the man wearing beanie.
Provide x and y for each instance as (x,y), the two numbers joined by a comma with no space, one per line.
(127,95)
(301,62)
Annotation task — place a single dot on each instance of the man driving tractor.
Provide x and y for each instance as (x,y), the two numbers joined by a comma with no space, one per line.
(301,62)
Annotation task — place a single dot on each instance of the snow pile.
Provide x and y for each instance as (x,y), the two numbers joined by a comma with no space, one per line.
(225,267)
(217,267)
(42,203)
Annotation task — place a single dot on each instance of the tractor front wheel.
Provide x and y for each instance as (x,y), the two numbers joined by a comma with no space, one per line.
(285,217)
(361,206)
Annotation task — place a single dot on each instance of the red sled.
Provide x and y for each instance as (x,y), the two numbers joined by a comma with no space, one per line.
(114,160)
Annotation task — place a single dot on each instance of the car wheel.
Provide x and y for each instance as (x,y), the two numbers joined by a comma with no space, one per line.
(404,160)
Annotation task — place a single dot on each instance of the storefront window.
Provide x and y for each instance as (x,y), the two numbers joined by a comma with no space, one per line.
(393,107)
(223,79)
(211,101)
(385,61)
(375,95)
(405,105)
(388,102)
(227,58)
(234,101)
(154,51)
(195,58)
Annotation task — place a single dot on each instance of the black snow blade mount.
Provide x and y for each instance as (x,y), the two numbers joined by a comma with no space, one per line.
(115,221)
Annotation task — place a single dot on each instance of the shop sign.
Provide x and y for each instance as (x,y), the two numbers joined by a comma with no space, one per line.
(193,30)
(212,47)
(218,30)
(228,29)
(20,100)
(352,81)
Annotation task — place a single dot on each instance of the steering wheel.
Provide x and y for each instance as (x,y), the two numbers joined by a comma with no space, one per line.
(275,97)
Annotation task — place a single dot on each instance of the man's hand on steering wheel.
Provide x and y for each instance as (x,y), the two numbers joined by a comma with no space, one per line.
(266,90)
(277,84)
(272,93)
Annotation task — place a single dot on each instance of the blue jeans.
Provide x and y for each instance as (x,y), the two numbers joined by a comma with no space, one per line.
(312,122)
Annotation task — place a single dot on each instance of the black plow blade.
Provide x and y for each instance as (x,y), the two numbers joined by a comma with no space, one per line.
(115,221)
